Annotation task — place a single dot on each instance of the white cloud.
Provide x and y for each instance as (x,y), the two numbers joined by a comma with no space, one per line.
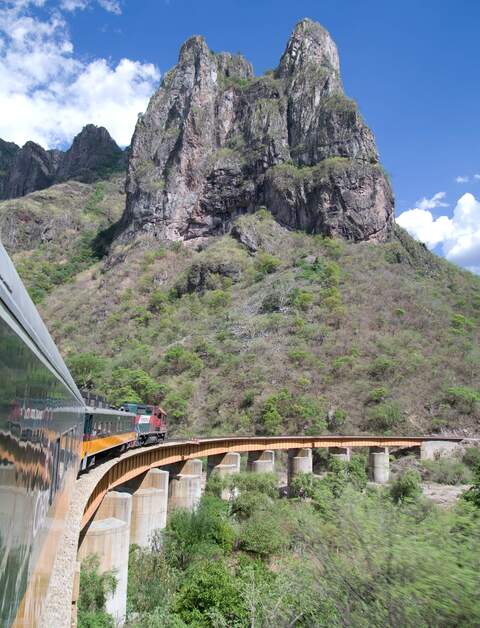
(460,179)
(476,176)
(431,203)
(112,6)
(459,236)
(422,225)
(47,94)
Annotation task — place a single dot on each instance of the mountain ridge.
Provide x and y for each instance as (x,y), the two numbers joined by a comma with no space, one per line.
(92,156)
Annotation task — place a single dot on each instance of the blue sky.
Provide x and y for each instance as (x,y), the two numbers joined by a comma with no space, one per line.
(412,66)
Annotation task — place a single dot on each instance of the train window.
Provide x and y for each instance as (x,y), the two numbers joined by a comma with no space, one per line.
(88,424)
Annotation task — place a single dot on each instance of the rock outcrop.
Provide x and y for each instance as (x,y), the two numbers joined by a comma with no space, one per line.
(93,155)
(217,142)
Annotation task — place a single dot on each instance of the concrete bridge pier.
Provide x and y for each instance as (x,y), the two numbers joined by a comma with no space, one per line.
(379,465)
(299,461)
(185,487)
(261,461)
(340,453)
(108,536)
(149,505)
(224,465)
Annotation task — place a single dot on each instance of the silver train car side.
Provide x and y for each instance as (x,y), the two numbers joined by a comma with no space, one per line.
(41,431)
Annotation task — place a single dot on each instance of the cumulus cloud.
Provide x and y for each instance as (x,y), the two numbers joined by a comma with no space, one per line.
(458,236)
(431,203)
(460,179)
(47,93)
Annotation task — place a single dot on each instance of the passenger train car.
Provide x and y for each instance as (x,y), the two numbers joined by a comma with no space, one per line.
(108,430)
(41,432)
(47,434)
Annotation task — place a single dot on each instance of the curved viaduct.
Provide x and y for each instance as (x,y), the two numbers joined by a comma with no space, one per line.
(173,471)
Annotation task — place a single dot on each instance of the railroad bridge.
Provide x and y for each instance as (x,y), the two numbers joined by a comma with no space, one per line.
(123,500)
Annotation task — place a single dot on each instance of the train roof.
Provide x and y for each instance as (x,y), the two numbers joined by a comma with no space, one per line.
(107,411)
(19,304)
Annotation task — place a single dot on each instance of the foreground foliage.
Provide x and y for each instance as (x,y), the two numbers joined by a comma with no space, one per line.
(343,555)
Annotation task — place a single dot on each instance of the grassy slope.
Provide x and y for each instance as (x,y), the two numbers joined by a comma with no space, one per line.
(49,233)
(303,335)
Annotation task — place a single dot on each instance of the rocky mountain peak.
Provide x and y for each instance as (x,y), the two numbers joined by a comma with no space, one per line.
(217,142)
(310,44)
(93,155)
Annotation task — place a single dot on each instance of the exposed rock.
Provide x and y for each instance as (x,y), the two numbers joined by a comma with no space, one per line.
(207,275)
(8,150)
(216,142)
(32,169)
(258,232)
(93,155)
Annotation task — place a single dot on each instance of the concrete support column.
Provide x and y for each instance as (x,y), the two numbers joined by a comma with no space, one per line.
(109,536)
(261,461)
(299,461)
(149,506)
(379,465)
(340,453)
(185,487)
(224,464)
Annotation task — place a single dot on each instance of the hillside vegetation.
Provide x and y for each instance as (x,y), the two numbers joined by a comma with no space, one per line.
(271,331)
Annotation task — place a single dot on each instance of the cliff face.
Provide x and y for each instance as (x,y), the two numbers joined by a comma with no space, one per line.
(216,142)
(92,156)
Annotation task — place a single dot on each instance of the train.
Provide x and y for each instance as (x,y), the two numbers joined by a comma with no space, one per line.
(110,431)
(48,435)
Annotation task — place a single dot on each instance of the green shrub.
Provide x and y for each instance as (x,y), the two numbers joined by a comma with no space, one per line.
(158,300)
(86,368)
(262,534)
(406,487)
(94,589)
(378,394)
(471,457)
(343,364)
(336,419)
(381,367)
(178,359)
(217,299)
(472,495)
(265,264)
(264,483)
(210,596)
(188,533)
(134,385)
(446,471)
(463,398)
(461,324)
(385,416)
(301,299)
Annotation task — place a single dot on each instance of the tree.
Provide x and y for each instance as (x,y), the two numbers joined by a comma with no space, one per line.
(86,368)
(94,588)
